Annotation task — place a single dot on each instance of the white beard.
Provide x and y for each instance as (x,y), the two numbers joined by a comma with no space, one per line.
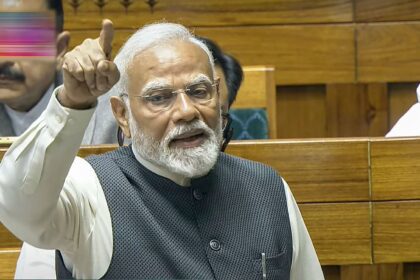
(188,162)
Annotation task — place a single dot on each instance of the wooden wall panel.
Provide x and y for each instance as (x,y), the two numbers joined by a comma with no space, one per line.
(211,12)
(372,272)
(411,271)
(388,52)
(396,231)
(331,272)
(316,171)
(340,232)
(401,97)
(300,54)
(301,112)
(8,261)
(8,240)
(357,110)
(395,169)
(386,10)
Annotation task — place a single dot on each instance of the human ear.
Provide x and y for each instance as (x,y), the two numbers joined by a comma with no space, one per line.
(121,114)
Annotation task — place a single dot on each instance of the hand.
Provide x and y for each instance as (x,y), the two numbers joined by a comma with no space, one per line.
(88,71)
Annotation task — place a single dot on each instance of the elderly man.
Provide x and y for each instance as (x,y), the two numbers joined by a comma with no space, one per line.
(171,206)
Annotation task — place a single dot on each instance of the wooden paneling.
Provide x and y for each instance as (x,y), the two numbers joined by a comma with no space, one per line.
(8,259)
(301,112)
(372,272)
(395,169)
(411,271)
(401,97)
(386,10)
(388,52)
(8,240)
(340,232)
(331,272)
(396,231)
(300,54)
(357,110)
(317,171)
(258,90)
(211,12)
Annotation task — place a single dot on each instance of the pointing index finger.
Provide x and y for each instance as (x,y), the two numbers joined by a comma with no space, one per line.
(106,36)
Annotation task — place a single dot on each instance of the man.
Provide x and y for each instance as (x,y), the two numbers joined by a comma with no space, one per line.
(409,124)
(229,71)
(27,83)
(38,263)
(171,206)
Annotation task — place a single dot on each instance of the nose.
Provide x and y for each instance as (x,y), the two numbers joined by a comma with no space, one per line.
(184,109)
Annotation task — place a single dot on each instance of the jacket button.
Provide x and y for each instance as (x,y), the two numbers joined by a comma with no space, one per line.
(197,194)
(215,245)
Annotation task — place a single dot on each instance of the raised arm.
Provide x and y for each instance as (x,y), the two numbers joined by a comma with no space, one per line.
(36,167)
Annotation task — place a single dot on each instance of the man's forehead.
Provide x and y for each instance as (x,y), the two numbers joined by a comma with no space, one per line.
(35,6)
(170,50)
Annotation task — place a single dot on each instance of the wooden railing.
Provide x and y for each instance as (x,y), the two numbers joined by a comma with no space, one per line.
(360,197)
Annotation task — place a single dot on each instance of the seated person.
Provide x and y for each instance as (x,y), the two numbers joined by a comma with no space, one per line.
(230,72)
(169,206)
(26,84)
(409,124)
(243,123)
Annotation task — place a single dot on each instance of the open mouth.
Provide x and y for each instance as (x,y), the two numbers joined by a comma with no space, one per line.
(190,139)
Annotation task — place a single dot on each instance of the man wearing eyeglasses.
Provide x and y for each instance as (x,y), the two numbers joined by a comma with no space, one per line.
(169,206)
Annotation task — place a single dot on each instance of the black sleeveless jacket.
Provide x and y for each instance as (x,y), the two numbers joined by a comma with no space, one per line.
(216,229)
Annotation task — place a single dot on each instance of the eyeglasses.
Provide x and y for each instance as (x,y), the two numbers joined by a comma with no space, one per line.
(163,99)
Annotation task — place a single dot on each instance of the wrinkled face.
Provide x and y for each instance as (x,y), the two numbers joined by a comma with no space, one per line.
(224,95)
(23,81)
(185,137)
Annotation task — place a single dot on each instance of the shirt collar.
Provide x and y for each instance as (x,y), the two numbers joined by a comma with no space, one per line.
(22,120)
(161,171)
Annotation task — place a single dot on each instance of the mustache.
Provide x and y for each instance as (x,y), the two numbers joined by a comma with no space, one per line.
(8,72)
(187,127)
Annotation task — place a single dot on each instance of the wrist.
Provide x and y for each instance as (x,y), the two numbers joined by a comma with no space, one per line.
(66,101)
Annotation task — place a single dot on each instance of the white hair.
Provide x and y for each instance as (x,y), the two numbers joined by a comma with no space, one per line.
(147,37)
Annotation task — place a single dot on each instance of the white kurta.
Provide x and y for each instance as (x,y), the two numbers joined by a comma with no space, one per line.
(54,200)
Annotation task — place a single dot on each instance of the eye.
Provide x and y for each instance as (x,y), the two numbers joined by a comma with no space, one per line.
(159,98)
(199,91)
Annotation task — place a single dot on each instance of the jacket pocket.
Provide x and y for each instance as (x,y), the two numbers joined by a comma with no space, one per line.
(277,266)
